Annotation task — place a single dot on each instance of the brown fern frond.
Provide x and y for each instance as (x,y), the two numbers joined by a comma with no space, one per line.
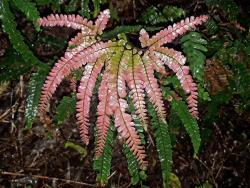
(104,112)
(171,32)
(175,61)
(84,94)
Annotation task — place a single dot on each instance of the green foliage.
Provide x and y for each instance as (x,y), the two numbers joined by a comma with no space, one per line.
(193,46)
(12,66)
(102,165)
(65,109)
(81,150)
(96,4)
(211,26)
(127,29)
(189,123)
(228,6)
(173,13)
(238,87)
(29,9)
(85,12)
(154,16)
(34,91)
(163,144)
(9,26)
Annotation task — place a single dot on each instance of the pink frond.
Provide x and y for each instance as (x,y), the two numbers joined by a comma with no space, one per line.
(158,66)
(72,21)
(84,94)
(135,84)
(104,112)
(70,61)
(175,61)
(82,39)
(102,21)
(123,121)
(152,88)
(144,38)
(126,129)
(171,32)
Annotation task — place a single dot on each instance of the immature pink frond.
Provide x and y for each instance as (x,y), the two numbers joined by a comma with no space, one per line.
(104,112)
(71,61)
(175,61)
(101,22)
(126,128)
(152,88)
(84,94)
(144,38)
(171,32)
(123,120)
(72,21)
(135,84)
(81,39)
(158,66)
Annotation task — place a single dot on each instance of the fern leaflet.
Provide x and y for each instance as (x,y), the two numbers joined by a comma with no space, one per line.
(189,123)
(68,103)
(102,164)
(163,144)
(34,92)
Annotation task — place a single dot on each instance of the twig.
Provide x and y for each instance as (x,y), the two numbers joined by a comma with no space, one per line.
(53,179)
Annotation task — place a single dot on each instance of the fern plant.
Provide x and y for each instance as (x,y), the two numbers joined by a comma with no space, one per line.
(126,71)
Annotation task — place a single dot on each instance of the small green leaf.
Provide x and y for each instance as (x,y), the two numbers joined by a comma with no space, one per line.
(81,150)
(65,109)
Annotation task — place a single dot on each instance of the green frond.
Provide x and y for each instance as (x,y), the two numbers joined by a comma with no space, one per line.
(32,101)
(154,16)
(85,12)
(68,103)
(189,123)
(12,66)
(133,165)
(163,144)
(96,4)
(211,26)
(29,9)
(194,47)
(9,26)
(173,13)
(127,29)
(102,165)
